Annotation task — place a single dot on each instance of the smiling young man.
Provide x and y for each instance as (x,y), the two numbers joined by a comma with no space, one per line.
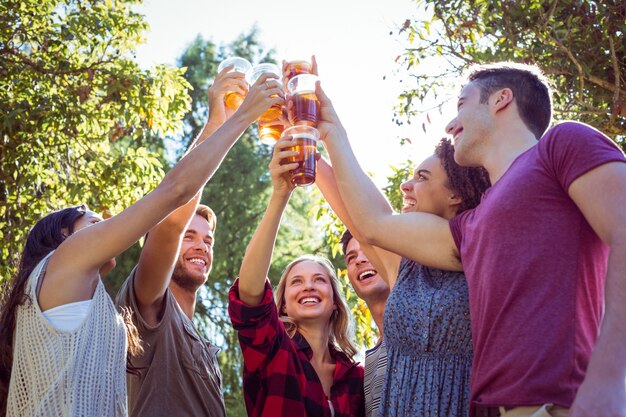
(544,252)
(371,288)
(178,373)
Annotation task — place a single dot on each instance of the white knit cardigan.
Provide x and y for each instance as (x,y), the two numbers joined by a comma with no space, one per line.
(58,373)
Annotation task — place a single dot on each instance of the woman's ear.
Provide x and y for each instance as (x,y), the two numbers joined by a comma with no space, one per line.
(454,200)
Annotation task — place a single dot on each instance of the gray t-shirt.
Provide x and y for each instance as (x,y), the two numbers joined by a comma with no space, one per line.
(178,371)
(375,369)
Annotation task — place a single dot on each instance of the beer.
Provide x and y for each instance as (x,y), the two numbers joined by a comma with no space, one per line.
(233,100)
(305,143)
(305,108)
(270,126)
(305,103)
(294,68)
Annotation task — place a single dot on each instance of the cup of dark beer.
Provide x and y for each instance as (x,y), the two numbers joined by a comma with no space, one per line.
(306,105)
(304,140)
(297,67)
(231,99)
(270,126)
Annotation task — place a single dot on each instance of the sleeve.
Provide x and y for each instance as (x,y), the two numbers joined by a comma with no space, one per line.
(261,334)
(572,149)
(456,228)
(126,298)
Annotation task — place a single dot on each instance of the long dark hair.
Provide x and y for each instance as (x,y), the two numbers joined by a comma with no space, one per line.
(47,234)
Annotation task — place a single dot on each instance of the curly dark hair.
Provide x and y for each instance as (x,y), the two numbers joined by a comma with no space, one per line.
(468,183)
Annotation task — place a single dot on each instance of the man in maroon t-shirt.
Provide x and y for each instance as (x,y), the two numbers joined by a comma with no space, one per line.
(539,251)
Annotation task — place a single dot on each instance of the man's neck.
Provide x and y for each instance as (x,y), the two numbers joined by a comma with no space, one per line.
(185,298)
(505,150)
(377,309)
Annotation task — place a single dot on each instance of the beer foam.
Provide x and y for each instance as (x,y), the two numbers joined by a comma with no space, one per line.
(304,136)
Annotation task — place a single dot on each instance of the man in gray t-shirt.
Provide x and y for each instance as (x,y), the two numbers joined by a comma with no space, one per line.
(177,374)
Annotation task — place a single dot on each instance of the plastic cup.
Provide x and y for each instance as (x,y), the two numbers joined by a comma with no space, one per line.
(306,105)
(231,99)
(270,126)
(305,143)
(297,67)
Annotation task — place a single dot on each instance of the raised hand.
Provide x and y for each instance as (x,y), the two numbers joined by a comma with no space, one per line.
(280,168)
(266,92)
(225,82)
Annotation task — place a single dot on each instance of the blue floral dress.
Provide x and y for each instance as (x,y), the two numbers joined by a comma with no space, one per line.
(429,344)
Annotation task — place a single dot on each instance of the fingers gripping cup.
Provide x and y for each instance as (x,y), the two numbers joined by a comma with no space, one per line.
(306,106)
(305,143)
(270,126)
(231,99)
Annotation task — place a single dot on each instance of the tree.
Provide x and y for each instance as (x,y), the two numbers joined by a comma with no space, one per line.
(77,112)
(579,44)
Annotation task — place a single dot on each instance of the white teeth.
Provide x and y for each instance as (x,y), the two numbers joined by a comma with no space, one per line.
(366,274)
(309,300)
(197,261)
(408,202)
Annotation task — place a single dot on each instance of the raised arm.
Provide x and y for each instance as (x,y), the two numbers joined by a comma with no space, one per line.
(73,269)
(256,262)
(601,196)
(386,263)
(422,237)
(159,253)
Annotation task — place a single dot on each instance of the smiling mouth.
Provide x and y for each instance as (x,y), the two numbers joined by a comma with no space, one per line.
(197,261)
(366,275)
(309,301)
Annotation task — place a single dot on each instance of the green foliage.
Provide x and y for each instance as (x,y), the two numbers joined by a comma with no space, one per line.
(580,45)
(77,112)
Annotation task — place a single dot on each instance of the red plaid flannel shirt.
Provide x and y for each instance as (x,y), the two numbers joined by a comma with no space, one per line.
(278,378)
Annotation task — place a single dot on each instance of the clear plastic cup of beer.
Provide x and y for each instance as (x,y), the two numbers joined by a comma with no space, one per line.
(231,99)
(270,125)
(297,67)
(305,143)
(305,102)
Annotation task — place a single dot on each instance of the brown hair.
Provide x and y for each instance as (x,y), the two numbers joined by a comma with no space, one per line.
(341,324)
(208,214)
(531,90)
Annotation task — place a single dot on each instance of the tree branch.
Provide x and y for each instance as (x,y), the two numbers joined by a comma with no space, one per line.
(616,109)
(581,74)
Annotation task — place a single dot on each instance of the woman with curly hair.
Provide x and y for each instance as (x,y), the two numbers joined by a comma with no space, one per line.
(297,348)
(423,359)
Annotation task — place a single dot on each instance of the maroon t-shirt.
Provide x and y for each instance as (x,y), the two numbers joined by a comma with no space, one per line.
(536,272)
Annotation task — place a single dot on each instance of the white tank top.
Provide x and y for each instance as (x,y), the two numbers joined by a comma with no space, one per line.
(68,317)
(68,373)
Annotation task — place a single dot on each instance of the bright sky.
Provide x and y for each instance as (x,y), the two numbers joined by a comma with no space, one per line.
(353,46)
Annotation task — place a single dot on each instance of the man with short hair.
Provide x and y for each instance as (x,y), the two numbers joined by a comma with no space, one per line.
(178,372)
(371,288)
(544,252)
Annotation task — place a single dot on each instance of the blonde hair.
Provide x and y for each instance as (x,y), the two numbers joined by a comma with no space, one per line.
(208,214)
(341,322)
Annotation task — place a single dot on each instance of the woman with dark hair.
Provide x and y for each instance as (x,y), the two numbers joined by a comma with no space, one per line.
(297,348)
(62,344)
(427,329)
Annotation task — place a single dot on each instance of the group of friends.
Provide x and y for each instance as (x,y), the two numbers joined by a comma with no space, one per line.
(497,291)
